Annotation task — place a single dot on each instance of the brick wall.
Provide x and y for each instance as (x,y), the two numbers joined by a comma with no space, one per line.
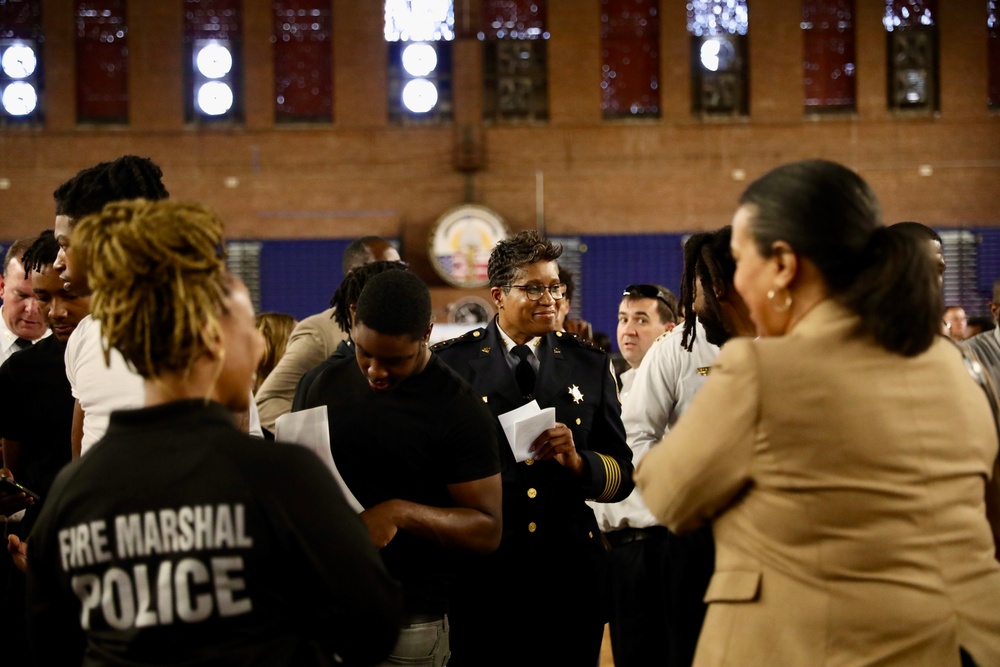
(361,176)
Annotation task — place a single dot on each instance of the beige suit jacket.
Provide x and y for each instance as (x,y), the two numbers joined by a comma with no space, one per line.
(846,487)
(312,340)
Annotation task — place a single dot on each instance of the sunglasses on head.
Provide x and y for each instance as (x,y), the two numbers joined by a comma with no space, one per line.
(648,292)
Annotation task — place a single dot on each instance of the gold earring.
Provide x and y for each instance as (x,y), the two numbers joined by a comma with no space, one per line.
(783,307)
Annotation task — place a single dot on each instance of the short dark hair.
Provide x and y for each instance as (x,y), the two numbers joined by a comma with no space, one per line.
(128,177)
(513,254)
(359,252)
(41,253)
(566,278)
(350,289)
(16,251)
(666,302)
(829,215)
(395,303)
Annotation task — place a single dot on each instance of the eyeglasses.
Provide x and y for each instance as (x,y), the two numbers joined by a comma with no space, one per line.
(535,292)
(649,292)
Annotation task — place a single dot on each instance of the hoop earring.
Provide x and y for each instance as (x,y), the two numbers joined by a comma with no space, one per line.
(785,306)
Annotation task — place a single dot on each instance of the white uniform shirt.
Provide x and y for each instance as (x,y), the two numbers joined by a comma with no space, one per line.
(664,385)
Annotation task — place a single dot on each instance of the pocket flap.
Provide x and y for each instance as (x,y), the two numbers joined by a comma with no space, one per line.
(733,586)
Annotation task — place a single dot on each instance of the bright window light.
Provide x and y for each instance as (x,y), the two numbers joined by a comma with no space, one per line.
(717,54)
(215,98)
(19,98)
(419,59)
(420,95)
(214,61)
(19,61)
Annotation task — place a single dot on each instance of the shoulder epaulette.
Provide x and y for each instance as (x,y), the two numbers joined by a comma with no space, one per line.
(565,336)
(475,334)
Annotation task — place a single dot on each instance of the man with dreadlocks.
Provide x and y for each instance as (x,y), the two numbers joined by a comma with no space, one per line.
(36,416)
(672,371)
(103,382)
(178,539)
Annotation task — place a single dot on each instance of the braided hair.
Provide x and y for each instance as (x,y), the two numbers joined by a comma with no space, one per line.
(158,275)
(350,289)
(707,257)
(41,253)
(128,177)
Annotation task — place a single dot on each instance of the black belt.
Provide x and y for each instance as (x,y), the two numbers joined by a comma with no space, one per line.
(623,536)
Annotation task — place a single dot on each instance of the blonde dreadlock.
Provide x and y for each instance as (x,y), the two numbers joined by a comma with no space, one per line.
(157,271)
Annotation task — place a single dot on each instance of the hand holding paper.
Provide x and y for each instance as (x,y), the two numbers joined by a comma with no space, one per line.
(523,425)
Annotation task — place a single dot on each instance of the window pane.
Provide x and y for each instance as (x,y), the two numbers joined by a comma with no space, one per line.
(912,54)
(993,39)
(213,22)
(418,36)
(630,49)
(828,32)
(515,60)
(303,61)
(909,13)
(419,20)
(720,77)
(514,19)
(21,79)
(101,61)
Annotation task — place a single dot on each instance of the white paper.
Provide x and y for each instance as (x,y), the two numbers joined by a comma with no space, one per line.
(311,429)
(523,425)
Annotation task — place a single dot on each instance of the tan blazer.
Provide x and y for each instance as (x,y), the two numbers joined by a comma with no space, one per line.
(845,486)
(312,340)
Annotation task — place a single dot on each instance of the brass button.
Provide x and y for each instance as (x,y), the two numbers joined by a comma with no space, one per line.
(590,534)
(532,493)
(577,419)
(559,334)
(530,462)
(485,400)
(532,527)
(475,334)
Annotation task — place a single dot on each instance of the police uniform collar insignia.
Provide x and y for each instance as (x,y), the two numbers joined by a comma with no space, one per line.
(575,392)
(704,370)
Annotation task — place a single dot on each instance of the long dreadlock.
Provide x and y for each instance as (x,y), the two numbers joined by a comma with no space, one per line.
(707,258)
(157,270)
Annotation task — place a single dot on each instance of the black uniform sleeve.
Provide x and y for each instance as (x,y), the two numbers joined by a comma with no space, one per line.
(608,456)
(358,606)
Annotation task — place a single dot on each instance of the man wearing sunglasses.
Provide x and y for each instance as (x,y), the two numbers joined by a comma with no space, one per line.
(551,564)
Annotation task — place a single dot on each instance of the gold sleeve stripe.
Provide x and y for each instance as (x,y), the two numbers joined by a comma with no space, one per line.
(612,477)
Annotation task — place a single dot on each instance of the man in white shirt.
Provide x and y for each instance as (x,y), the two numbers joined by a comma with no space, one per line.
(21,323)
(658,578)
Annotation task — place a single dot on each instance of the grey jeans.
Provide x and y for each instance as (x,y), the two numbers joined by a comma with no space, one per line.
(423,642)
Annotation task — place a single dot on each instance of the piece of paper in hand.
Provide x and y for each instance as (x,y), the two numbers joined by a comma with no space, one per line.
(522,425)
(311,429)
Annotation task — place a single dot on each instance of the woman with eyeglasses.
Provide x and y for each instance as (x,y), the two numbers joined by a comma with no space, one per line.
(551,563)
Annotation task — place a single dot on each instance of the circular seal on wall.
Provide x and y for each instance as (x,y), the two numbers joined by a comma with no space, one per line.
(461,242)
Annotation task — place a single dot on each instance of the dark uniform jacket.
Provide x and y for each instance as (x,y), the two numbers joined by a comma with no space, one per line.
(576,379)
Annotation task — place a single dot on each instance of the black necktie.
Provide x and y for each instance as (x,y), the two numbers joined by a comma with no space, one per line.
(524,373)
(22,343)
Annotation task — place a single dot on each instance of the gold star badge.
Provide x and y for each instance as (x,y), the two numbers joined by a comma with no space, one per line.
(575,392)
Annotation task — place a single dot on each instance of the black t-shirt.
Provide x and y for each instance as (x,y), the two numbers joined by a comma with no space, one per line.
(178,539)
(408,443)
(36,410)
